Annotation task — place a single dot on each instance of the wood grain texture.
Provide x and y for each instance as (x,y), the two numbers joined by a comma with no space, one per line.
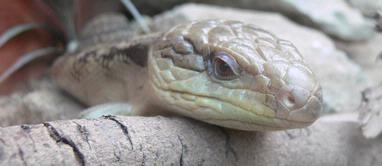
(179,141)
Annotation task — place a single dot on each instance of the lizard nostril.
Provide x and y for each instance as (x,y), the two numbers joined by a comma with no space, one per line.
(289,100)
(295,98)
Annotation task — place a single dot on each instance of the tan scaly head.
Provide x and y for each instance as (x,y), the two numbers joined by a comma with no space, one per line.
(234,75)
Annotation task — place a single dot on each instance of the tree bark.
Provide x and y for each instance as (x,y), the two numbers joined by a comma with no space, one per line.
(179,141)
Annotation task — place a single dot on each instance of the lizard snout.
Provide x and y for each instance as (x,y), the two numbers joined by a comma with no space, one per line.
(309,112)
(301,98)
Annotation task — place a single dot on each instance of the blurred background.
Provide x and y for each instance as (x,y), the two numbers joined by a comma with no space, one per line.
(339,39)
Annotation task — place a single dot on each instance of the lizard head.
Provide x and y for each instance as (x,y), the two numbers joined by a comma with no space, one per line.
(235,75)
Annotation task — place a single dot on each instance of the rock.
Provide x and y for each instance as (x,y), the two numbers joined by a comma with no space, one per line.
(368,7)
(341,79)
(333,17)
(150,7)
(364,53)
(374,73)
(11,110)
(367,54)
(378,18)
(37,106)
(51,105)
(104,28)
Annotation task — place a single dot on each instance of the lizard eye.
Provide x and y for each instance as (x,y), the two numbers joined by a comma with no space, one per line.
(225,67)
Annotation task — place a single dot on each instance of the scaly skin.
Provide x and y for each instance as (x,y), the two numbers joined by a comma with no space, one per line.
(270,88)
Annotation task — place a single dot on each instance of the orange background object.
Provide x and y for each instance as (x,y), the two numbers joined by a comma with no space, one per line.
(17,12)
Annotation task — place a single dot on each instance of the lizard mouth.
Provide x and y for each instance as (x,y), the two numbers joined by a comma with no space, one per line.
(216,111)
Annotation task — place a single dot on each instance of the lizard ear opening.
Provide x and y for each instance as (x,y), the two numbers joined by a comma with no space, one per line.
(136,49)
(138,53)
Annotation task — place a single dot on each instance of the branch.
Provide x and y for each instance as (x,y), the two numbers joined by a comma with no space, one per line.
(179,141)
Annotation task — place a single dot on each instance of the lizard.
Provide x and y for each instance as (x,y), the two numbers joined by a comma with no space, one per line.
(223,72)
